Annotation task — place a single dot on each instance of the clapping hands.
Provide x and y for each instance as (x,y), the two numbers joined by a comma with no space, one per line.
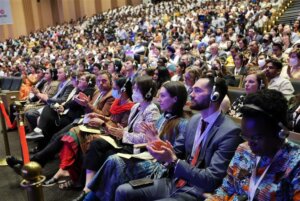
(115,131)
(162,151)
(150,131)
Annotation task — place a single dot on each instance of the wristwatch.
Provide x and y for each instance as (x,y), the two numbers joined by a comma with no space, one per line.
(173,164)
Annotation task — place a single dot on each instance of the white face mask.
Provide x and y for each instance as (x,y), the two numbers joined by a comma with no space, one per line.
(137,97)
(261,62)
(293,62)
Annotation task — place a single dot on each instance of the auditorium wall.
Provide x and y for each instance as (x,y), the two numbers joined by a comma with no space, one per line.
(31,15)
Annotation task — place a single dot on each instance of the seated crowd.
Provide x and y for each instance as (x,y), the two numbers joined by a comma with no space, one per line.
(154,79)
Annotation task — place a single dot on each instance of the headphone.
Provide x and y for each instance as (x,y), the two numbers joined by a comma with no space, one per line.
(169,115)
(149,94)
(90,81)
(123,88)
(67,72)
(262,84)
(215,95)
(135,64)
(284,131)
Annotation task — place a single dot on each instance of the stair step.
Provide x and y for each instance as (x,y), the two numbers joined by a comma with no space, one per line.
(291,14)
(292,11)
(288,17)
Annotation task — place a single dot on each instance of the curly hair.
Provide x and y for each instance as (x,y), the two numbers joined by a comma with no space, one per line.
(272,103)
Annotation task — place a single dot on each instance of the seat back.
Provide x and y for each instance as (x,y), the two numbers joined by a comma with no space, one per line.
(6,83)
(296,85)
(16,84)
(294,137)
(234,93)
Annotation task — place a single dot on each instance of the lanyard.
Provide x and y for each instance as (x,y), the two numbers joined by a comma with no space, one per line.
(61,89)
(198,141)
(253,185)
(98,99)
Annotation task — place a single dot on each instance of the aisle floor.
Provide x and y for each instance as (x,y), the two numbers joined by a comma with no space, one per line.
(10,189)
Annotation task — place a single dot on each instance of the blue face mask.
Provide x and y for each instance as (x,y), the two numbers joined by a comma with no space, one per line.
(115,93)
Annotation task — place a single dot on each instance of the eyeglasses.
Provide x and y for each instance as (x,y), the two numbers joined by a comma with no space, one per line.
(254,139)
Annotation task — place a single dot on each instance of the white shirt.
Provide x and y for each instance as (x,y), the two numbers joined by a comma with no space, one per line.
(283,85)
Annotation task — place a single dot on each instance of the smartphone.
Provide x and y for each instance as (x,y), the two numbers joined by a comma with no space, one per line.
(138,183)
(82,96)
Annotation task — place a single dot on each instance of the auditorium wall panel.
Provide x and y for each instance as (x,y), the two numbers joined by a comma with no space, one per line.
(31,15)
(121,3)
(68,10)
(105,5)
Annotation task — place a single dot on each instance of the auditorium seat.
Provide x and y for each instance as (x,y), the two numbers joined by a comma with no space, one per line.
(6,83)
(234,93)
(296,85)
(16,84)
(294,137)
(10,87)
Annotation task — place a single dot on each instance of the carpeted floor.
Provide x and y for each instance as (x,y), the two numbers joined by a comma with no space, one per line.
(10,189)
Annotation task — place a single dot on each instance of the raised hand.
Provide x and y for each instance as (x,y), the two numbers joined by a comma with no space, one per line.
(115,131)
(150,131)
(95,122)
(162,151)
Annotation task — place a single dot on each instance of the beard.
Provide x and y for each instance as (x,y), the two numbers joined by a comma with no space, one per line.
(204,104)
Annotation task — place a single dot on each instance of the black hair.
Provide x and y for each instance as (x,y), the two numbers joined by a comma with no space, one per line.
(279,45)
(275,62)
(177,88)
(163,60)
(41,68)
(182,65)
(245,41)
(163,75)
(118,65)
(90,78)
(97,65)
(273,104)
(125,83)
(53,73)
(147,87)
(150,71)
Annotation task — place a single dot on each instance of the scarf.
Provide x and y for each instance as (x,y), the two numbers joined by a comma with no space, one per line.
(117,109)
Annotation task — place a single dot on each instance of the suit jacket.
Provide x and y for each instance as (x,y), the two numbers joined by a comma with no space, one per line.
(39,85)
(76,110)
(63,95)
(216,153)
(103,105)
